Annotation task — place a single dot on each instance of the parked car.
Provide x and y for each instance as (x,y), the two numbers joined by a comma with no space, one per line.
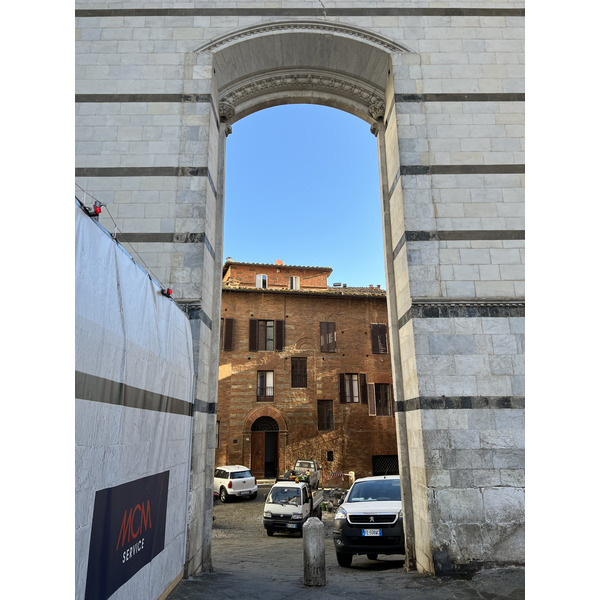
(369,520)
(288,506)
(234,480)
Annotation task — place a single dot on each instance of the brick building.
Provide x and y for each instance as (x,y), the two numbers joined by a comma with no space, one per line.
(304,371)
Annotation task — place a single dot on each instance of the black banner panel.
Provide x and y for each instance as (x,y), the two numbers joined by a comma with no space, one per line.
(128,531)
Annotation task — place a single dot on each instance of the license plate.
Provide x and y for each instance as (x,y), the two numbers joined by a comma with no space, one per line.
(244,493)
(370,532)
(291,525)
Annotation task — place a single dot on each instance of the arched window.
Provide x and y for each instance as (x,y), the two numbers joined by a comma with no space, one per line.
(265,424)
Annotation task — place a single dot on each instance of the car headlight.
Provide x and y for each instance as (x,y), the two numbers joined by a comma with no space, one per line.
(267,514)
(341,513)
(296,516)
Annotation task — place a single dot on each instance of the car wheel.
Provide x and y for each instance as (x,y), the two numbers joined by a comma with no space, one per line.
(223,495)
(343,559)
(253,496)
(372,556)
(270,532)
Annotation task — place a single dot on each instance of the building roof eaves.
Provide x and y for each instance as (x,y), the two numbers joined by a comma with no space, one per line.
(329,292)
(257,264)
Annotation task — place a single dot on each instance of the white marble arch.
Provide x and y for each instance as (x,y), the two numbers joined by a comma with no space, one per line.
(305,61)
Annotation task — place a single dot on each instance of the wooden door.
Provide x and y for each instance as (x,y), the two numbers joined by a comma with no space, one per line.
(257,454)
(271,454)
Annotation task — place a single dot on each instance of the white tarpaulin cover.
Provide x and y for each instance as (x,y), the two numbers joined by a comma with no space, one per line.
(134,380)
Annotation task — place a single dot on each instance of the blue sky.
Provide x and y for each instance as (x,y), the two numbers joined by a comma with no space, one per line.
(302,186)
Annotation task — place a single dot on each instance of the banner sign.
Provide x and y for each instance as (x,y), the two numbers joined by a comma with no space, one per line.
(128,531)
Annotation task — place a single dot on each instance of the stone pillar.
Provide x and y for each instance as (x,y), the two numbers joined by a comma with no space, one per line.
(203,451)
(378,129)
(313,533)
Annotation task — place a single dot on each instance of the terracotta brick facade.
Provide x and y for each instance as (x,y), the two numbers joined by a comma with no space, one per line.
(285,411)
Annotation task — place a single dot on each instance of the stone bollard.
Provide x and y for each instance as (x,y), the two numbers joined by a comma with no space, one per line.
(313,533)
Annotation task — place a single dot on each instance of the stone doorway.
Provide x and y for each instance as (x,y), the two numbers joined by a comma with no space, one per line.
(353,71)
(264,448)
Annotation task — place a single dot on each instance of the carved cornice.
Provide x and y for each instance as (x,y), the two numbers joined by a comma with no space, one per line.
(377,110)
(303,26)
(226,111)
(332,83)
(423,308)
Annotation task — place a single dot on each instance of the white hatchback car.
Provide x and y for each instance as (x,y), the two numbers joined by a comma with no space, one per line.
(234,480)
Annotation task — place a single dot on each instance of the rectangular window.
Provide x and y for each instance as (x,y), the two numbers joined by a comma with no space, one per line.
(266,335)
(353,388)
(294,283)
(261,282)
(379,341)
(380,399)
(299,378)
(328,337)
(264,386)
(383,399)
(325,416)
(226,334)
(385,464)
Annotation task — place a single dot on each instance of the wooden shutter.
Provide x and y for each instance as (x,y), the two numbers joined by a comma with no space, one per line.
(379,338)
(329,415)
(383,338)
(325,415)
(342,388)
(253,335)
(279,335)
(374,339)
(323,334)
(364,395)
(299,374)
(331,337)
(371,394)
(327,332)
(228,337)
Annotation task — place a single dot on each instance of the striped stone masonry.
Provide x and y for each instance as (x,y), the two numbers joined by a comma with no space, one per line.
(159,88)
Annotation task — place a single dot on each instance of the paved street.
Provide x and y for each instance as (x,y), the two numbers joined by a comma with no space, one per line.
(250,565)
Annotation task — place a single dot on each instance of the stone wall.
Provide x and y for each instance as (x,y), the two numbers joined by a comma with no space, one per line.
(443,87)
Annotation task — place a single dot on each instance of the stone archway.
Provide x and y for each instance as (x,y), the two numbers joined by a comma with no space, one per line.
(340,66)
(291,62)
(344,67)
(265,442)
(264,450)
(449,125)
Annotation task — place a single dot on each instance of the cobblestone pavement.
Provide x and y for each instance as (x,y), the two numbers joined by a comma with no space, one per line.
(248,565)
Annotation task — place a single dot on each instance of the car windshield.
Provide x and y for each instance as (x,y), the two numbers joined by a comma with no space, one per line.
(284,495)
(304,464)
(368,491)
(240,474)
